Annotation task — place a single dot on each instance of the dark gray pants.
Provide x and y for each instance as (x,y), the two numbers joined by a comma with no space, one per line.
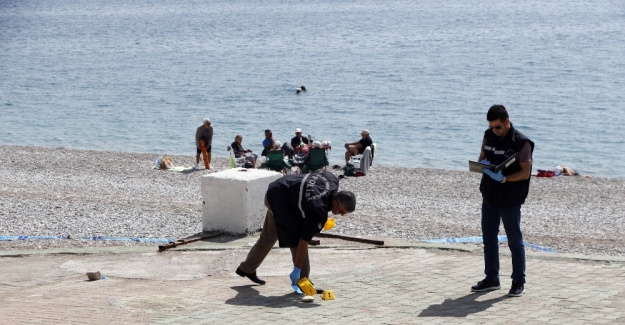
(262,247)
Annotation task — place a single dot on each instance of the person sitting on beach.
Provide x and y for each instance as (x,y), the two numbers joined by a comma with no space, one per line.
(316,145)
(277,146)
(357,148)
(298,139)
(267,142)
(239,151)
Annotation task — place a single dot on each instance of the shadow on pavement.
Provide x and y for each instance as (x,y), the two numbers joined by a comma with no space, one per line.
(247,295)
(461,307)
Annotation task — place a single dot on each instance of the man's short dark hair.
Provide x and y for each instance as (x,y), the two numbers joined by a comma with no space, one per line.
(347,199)
(497,112)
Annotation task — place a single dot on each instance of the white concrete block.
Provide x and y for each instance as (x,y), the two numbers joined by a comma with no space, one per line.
(234,200)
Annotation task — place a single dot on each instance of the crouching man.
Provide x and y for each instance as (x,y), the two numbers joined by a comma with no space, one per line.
(298,207)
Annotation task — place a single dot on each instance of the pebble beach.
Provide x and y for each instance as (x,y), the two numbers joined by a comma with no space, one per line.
(81,193)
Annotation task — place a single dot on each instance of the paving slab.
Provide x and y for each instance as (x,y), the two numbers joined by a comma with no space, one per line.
(400,283)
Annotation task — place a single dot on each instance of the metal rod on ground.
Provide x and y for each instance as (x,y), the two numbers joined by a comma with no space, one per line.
(186,241)
(356,239)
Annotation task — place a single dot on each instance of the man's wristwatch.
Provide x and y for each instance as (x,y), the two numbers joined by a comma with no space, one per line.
(503,180)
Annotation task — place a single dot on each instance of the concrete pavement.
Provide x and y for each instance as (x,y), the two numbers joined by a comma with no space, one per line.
(402,283)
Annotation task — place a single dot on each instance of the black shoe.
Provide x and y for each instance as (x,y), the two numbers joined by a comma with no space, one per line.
(486,285)
(319,290)
(251,276)
(517,289)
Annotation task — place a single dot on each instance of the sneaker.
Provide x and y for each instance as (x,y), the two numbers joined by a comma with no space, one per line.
(486,285)
(517,289)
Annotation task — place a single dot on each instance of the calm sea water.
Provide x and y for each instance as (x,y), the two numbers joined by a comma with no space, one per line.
(131,75)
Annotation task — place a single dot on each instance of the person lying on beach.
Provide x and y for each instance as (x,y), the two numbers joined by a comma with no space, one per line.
(558,171)
(167,163)
(566,171)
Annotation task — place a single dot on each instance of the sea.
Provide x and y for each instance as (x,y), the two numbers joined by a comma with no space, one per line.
(420,75)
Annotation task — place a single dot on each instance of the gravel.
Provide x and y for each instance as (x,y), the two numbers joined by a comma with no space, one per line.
(77,193)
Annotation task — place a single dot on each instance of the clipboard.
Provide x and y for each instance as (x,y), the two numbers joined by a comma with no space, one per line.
(477,167)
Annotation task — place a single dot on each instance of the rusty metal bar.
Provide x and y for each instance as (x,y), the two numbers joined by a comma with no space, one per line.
(348,238)
(187,240)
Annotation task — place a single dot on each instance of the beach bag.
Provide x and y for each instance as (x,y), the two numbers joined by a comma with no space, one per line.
(349,170)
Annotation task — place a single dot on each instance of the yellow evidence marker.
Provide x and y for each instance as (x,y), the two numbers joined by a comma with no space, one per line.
(328,295)
(306,287)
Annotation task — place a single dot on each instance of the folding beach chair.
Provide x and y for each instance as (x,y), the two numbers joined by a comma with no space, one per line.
(364,160)
(234,161)
(275,161)
(316,160)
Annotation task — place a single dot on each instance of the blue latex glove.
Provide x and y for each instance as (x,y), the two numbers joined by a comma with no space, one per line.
(498,176)
(294,278)
(485,162)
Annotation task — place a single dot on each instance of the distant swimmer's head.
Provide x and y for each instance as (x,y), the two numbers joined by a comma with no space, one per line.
(303,88)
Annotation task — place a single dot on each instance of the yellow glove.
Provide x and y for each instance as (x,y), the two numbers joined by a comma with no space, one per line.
(329,224)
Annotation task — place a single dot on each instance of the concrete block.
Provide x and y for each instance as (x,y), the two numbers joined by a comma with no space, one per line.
(234,200)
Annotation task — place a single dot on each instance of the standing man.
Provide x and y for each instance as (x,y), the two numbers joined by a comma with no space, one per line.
(503,193)
(204,136)
(297,209)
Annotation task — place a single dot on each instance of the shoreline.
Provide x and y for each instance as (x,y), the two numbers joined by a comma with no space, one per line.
(76,193)
(223,154)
